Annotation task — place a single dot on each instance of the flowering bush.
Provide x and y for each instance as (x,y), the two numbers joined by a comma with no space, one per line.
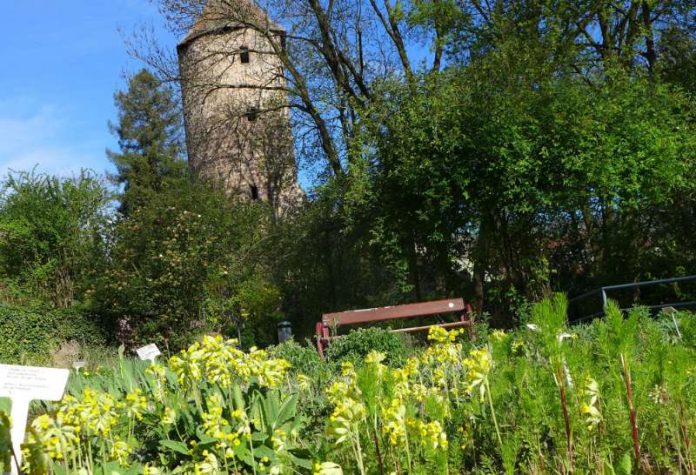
(619,398)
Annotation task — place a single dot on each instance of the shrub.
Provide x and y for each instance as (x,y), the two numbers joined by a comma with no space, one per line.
(52,236)
(303,359)
(29,336)
(357,344)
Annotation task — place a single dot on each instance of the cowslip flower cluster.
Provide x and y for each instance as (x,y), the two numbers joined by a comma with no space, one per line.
(220,362)
(444,351)
(95,413)
(304,382)
(135,404)
(431,434)
(327,468)
(394,422)
(77,423)
(209,465)
(589,408)
(207,384)
(478,365)
(348,409)
(402,378)
(217,426)
(57,441)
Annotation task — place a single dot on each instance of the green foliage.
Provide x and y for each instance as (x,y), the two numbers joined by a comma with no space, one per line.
(678,58)
(185,263)
(355,346)
(31,336)
(5,437)
(523,159)
(321,262)
(52,237)
(303,359)
(498,170)
(687,328)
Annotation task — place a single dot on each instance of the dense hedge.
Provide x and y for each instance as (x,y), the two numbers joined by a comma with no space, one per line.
(356,345)
(30,335)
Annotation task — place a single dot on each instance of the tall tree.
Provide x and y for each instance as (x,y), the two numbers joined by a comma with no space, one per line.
(149,137)
(504,177)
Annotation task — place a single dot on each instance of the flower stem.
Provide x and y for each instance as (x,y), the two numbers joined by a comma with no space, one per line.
(495,421)
(631,411)
(358,451)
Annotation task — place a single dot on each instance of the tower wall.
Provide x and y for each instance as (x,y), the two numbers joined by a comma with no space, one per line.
(237,122)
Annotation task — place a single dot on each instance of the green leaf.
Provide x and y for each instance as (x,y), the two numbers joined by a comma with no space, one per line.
(625,464)
(175,445)
(287,410)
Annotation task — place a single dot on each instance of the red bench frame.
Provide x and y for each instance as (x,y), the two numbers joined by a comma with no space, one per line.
(413,310)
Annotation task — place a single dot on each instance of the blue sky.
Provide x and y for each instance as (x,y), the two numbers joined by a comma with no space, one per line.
(61,63)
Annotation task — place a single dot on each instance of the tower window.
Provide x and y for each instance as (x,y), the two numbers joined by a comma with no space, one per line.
(254,192)
(244,54)
(252,114)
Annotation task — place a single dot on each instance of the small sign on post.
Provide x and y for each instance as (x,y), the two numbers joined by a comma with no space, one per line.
(78,365)
(23,384)
(148,352)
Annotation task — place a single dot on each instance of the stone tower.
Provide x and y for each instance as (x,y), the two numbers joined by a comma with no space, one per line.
(235,103)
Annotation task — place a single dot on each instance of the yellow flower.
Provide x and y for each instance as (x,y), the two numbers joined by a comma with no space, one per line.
(169,417)
(498,335)
(219,361)
(327,468)
(478,364)
(441,335)
(120,451)
(394,422)
(375,357)
(56,440)
(348,410)
(304,382)
(590,407)
(209,465)
(135,404)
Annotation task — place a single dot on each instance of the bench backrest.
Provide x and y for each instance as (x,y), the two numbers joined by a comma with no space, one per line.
(412,310)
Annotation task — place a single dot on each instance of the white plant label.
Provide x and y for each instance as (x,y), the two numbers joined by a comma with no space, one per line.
(22,384)
(148,352)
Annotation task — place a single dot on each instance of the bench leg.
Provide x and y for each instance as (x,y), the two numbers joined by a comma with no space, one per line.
(320,338)
(468,316)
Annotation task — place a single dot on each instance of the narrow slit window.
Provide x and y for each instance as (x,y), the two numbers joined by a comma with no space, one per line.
(254,192)
(244,54)
(252,114)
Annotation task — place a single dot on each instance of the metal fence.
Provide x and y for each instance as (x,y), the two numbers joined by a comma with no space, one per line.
(592,304)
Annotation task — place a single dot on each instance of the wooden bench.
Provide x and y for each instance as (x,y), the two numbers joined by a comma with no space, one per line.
(412,310)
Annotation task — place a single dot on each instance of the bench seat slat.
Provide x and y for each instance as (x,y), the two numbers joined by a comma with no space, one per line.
(428,327)
(413,329)
(412,310)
